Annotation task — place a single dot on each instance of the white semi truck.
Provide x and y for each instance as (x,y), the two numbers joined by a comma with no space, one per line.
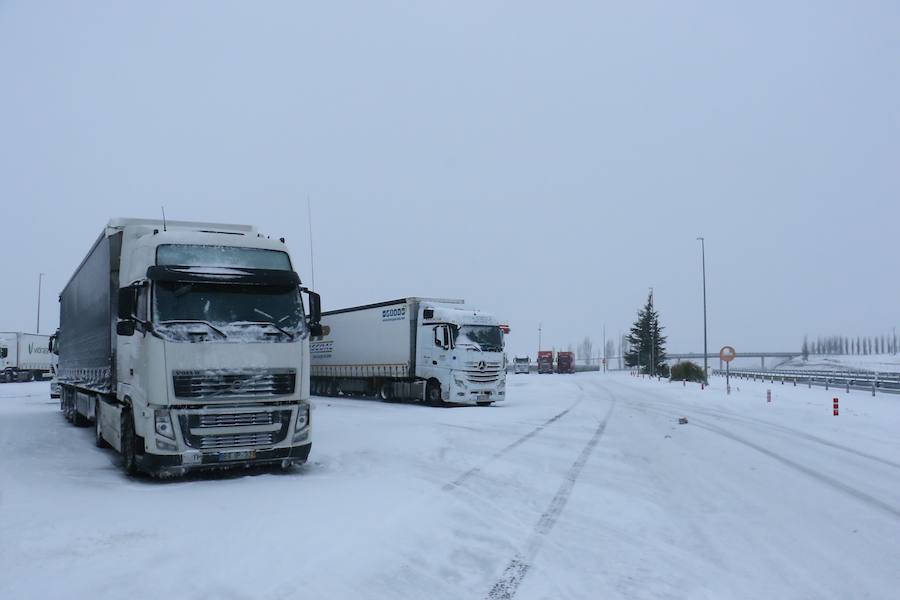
(187,346)
(413,348)
(24,356)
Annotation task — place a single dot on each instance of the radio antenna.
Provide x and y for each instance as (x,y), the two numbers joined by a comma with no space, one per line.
(164,217)
(312,258)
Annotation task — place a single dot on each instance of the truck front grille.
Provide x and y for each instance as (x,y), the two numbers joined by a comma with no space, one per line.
(235,439)
(485,377)
(237,420)
(213,442)
(483,372)
(234,384)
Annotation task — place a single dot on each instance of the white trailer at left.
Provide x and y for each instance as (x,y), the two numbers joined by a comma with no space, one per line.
(187,346)
(24,356)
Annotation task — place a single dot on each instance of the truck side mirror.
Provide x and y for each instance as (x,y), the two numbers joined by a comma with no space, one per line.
(315,307)
(314,319)
(127,302)
(125,328)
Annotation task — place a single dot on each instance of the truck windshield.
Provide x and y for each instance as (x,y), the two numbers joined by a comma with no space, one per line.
(488,337)
(222,306)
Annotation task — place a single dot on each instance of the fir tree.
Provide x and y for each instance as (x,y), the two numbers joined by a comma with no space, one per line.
(648,345)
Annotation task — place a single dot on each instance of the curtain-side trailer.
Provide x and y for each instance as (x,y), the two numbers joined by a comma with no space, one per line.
(412,348)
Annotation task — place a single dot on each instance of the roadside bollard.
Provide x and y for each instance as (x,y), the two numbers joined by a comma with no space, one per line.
(684,383)
(848,387)
(836,408)
(795,382)
(769,396)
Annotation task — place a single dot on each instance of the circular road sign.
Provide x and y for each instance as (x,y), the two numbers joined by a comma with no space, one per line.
(727,354)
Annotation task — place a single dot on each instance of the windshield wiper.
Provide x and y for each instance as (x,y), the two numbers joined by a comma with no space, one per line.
(269,323)
(193,321)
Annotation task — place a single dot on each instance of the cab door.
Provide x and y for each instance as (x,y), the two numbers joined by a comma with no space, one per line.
(437,354)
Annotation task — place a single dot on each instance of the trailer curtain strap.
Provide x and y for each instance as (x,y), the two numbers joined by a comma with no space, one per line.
(237,276)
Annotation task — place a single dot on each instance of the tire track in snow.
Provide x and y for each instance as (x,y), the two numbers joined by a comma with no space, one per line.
(763,425)
(837,484)
(449,487)
(506,587)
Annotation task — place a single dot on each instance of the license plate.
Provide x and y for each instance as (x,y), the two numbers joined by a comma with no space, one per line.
(482,397)
(239,455)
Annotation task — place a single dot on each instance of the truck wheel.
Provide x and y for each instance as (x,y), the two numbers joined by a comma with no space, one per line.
(98,435)
(433,392)
(331,389)
(129,460)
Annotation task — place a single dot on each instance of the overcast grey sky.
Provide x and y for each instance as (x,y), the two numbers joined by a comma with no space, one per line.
(549,162)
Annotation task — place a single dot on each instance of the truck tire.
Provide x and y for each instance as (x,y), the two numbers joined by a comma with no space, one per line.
(129,457)
(433,392)
(98,435)
(386,392)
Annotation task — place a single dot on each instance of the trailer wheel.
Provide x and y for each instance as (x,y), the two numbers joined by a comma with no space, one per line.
(98,434)
(385,392)
(129,460)
(331,388)
(433,392)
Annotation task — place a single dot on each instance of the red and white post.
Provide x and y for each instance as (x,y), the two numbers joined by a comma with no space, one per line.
(836,407)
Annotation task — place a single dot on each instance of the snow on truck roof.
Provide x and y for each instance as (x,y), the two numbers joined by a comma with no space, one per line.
(121,223)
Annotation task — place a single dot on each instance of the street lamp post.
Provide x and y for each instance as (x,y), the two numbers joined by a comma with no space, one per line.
(705,349)
(540,325)
(38,329)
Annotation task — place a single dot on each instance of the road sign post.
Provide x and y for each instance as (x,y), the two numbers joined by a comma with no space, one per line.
(727,354)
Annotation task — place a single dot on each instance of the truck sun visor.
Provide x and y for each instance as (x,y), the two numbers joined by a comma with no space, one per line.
(229,275)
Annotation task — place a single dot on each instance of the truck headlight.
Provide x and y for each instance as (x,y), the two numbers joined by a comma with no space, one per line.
(302,418)
(459,382)
(164,424)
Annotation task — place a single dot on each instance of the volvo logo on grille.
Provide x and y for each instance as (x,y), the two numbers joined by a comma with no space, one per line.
(482,366)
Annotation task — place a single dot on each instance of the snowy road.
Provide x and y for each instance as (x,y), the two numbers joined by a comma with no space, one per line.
(580,486)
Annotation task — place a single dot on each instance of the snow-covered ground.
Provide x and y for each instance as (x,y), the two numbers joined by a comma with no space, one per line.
(881,363)
(581,486)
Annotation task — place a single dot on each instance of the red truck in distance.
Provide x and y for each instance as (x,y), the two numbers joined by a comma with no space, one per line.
(545,362)
(565,362)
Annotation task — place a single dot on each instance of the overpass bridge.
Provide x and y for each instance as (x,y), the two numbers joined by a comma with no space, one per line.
(762,356)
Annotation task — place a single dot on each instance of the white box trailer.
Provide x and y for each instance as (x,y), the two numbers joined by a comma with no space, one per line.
(411,348)
(24,356)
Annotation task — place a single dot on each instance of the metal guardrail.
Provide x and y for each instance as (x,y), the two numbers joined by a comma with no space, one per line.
(888,383)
